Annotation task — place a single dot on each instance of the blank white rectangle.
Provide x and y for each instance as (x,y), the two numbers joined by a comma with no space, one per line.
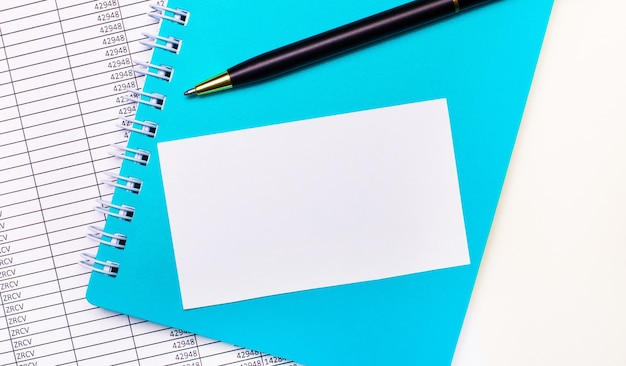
(333,200)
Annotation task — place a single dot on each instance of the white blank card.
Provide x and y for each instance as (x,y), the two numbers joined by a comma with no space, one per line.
(315,203)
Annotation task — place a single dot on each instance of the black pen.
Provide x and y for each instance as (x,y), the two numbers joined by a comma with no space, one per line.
(333,42)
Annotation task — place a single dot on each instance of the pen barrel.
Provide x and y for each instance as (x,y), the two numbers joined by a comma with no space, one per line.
(345,38)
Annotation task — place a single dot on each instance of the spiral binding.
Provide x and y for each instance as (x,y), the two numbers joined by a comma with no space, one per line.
(132,184)
(166,43)
(107,267)
(146,127)
(179,16)
(98,235)
(155,100)
(161,71)
(139,156)
(107,208)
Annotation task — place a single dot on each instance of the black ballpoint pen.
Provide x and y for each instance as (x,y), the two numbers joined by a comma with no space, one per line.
(333,42)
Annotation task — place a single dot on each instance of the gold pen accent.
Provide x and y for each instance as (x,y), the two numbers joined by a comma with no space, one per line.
(217,83)
(457,7)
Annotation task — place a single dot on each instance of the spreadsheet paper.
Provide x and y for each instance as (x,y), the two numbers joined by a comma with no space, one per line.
(65,67)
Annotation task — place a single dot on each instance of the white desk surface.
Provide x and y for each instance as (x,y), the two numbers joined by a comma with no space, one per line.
(551,289)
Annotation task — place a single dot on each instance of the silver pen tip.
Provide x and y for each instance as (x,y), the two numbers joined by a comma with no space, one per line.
(190,91)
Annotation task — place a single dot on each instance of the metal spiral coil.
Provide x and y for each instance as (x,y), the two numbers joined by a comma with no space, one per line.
(100,236)
(163,72)
(107,208)
(155,100)
(145,127)
(140,156)
(165,43)
(106,267)
(179,16)
(128,183)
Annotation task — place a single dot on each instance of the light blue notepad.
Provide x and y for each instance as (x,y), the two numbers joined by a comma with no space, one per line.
(481,62)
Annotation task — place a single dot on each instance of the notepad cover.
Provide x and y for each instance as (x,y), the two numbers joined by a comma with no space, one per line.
(482,62)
